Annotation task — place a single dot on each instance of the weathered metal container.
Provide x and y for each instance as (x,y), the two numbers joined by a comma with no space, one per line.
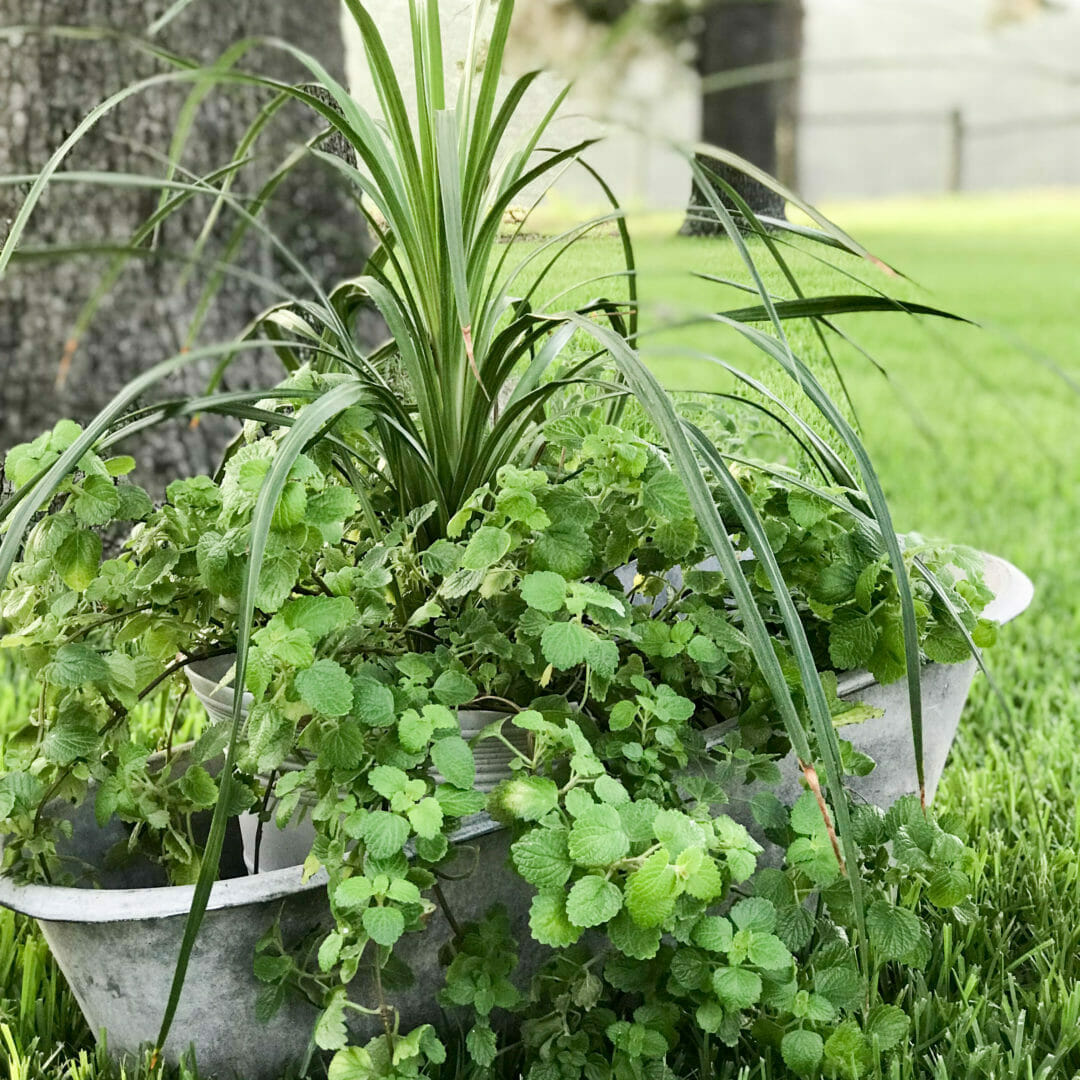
(888,738)
(117,946)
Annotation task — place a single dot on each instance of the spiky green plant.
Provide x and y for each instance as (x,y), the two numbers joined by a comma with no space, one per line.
(472,364)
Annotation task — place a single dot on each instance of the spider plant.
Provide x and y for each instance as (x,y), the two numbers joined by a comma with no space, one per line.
(473,362)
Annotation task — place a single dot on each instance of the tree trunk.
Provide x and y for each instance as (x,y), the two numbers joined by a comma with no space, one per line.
(755,121)
(48,85)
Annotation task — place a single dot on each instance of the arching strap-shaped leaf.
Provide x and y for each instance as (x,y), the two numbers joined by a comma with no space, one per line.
(678,435)
(830,228)
(815,307)
(307,426)
(809,384)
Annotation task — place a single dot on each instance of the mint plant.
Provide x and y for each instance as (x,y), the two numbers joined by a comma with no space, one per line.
(578,599)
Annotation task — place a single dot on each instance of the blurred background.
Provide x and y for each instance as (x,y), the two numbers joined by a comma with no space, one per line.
(863,98)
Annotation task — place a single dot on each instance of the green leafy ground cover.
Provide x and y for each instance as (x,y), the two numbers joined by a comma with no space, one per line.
(976,442)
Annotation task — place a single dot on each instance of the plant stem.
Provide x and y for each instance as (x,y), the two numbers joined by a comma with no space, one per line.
(449,915)
(263,810)
(384,1010)
(172,669)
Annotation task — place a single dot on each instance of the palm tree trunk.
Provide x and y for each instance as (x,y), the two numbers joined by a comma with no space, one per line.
(48,85)
(755,121)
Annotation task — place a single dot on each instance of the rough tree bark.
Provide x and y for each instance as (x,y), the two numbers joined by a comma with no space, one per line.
(48,84)
(755,121)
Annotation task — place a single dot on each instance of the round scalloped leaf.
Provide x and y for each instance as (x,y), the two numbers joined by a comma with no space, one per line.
(802,1051)
(888,1024)
(736,987)
(593,901)
(651,891)
(544,590)
(549,922)
(384,925)
(384,833)
(326,687)
(894,932)
(597,837)
(453,757)
(542,859)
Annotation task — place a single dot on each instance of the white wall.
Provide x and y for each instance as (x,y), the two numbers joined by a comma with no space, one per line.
(862,58)
(927,57)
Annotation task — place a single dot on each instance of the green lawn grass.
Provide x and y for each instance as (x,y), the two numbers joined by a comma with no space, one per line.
(975,441)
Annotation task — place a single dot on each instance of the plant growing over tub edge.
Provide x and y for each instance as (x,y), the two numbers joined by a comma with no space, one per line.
(525,602)
(458,337)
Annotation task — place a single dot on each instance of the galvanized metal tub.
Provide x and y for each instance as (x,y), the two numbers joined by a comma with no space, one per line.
(887,738)
(117,946)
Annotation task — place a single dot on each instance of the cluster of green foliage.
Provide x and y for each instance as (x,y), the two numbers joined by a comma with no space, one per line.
(558,597)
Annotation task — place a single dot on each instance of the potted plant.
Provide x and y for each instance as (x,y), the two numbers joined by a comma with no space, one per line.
(496,510)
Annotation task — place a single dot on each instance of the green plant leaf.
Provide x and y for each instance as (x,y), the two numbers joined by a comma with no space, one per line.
(949,886)
(593,900)
(453,757)
(544,590)
(755,913)
(77,664)
(549,923)
(563,549)
(526,798)
(769,952)
(95,501)
(632,940)
(485,548)
(565,644)
(802,1051)
(384,833)
(388,780)
(714,933)
(353,893)
(352,1063)
(384,925)
(842,985)
(67,743)
(373,703)
(597,838)
(326,687)
(665,495)
(199,787)
(894,931)
(78,558)
(651,890)
(677,831)
(330,1030)
(847,1048)
(342,745)
(318,616)
(481,1045)
(888,1024)
(453,688)
(426,818)
(330,950)
(736,987)
(851,641)
(542,858)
